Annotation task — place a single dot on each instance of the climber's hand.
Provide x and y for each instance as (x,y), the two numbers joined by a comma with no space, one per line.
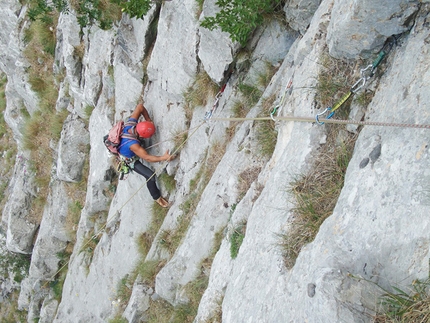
(168,157)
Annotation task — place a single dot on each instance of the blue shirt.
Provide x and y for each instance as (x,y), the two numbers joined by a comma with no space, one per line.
(124,146)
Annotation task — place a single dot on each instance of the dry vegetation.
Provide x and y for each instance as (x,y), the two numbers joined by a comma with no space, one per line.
(316,192)
(45,124)
(201,90)
(8,145)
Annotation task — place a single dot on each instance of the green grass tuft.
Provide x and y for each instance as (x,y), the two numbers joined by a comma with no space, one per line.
(266,133)
(168,182)
(236,239)
(201,90)
(250,93)
(147,270)
(333,82)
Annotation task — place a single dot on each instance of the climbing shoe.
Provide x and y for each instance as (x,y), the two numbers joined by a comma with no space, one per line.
(162,202)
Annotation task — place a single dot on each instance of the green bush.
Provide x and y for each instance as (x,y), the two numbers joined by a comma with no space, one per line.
(88,12)
(239,18)
(135,8)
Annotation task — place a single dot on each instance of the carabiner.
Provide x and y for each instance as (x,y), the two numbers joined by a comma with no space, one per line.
(369,74)
(273,112)
(371,67)
(328,109)
(288,89)
(208,115)
(355,87)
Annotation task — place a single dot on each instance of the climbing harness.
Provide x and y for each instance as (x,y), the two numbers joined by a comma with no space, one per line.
(365,74)
(123,169)
(125,165)
(208,114)
(288,89)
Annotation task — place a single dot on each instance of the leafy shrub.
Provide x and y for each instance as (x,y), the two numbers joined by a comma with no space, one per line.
(135,8)
(239,18)
(88,12)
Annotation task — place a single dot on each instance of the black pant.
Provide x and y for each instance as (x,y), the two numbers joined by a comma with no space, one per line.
(148,173)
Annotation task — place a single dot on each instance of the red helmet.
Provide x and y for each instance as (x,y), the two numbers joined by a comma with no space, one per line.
(145,129)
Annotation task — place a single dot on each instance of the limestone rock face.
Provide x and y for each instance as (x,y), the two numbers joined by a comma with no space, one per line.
(51,241)
(18,91)
(72,150)
(20,227)
(299,13)
(223,181)
(367,25)
(68,60)
(215,49)
(173,60)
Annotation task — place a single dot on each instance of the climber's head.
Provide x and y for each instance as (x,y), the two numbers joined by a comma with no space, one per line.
(145,129)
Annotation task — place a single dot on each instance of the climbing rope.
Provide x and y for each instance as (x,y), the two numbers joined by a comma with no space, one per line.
(365,74)
(333,121)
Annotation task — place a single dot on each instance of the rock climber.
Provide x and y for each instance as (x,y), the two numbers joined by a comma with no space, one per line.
(132,150)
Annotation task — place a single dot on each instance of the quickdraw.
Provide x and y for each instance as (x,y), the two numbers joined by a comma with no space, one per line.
(218,96)
(278,107)
(365,73)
